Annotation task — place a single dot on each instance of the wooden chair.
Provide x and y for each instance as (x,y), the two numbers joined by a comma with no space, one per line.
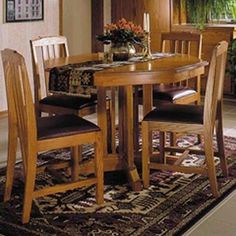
(45,48)
(45,133)
(194,119)
(183,43)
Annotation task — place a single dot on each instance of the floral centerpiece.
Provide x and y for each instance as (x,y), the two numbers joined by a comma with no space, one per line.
(122,32)
(122,36)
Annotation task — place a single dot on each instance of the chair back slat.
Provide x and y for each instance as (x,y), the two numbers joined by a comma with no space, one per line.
(19,96)
(56,51)
(42,49)
(45,53)
(214,87)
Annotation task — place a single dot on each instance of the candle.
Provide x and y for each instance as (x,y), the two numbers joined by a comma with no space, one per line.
(145,21)
(148,22)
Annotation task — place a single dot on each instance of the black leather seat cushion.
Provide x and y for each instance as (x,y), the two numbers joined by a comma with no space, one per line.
(171,92)
(67,101)
(176,113)
(63,125)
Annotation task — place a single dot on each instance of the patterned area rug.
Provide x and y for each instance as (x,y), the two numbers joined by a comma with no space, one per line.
(170,206)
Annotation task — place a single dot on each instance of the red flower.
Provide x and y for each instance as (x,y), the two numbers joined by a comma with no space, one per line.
(122,31)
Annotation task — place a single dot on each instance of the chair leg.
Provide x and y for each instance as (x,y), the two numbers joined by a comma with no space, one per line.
(198,89)
(75,154)
(221,146)
(113,120)
(109,131)
(199,139)
(221,149)
(111,123)
(136,120)
(38,111)
(198,102)
(145,155)
(29,186)
(208,146)
(11,160)
(99,172)
(172,139)
(162,146)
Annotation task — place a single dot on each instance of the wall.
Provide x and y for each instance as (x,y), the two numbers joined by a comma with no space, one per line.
(107,11)
(77,25)
(17,36)
(77,22)
(159,11)
(107,17)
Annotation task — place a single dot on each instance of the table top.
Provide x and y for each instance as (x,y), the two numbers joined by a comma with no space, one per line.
(160,70)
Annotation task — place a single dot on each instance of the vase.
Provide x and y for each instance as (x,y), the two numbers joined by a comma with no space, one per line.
(122,51)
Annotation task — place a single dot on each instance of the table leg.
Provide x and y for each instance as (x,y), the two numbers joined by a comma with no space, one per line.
(102,116)
(126,139)
(113,120)
(128,136)
(147,98)
(136,120)
(147,106)
(121,115)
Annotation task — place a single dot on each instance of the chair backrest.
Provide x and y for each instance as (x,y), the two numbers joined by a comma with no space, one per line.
(215,82)
(44,48)
(182,42)
(19,98)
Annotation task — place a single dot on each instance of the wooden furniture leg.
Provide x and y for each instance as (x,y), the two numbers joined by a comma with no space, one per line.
(220,140)
(11,160)
(208,147)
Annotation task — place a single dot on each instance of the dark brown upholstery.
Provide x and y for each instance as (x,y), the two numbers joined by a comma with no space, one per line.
(171,92)
(168,93)
(176,113)
(66,101)
(63,125)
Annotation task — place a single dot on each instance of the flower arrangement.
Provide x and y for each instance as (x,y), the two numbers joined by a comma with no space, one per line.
(122,32)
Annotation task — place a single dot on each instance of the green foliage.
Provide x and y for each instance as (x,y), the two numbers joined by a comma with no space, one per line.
(233,10)
(200,11)
(232,60)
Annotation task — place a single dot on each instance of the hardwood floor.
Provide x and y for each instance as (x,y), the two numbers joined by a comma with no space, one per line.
(219,221)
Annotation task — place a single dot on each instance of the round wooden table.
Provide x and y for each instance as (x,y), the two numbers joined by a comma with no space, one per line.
(164,70)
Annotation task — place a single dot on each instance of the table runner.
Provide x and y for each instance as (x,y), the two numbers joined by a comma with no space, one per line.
(77,79)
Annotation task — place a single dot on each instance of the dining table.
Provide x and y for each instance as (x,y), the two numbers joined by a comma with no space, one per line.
(125,78)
